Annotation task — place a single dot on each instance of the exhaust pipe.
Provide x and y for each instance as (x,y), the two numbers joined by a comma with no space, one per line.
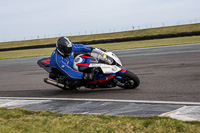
(52,82)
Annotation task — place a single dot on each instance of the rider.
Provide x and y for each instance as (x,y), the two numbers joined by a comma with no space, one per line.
(62,58)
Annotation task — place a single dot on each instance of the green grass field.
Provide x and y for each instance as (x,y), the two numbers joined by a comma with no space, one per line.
(23,121)
(144,32)
(108,46)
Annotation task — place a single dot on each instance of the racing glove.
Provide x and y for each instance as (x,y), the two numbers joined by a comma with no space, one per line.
(88,76)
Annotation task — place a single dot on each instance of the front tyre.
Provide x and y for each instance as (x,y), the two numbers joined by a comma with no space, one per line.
(130,80)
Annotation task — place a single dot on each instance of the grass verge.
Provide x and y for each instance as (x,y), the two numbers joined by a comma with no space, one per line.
(143,32)
(108,46)
(22,120)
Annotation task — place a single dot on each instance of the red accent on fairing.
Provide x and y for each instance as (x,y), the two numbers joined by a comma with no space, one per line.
(46,61)
(101,80)
(122,70)
(87,56)
(82,64)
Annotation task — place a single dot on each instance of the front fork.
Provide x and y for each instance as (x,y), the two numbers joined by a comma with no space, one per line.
(118,78)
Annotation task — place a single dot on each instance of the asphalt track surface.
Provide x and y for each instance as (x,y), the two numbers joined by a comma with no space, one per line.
(168,73)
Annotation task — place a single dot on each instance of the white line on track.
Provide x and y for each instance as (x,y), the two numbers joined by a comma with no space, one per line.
(106,100)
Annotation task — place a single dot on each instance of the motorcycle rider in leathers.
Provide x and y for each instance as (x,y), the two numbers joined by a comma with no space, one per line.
(62,59)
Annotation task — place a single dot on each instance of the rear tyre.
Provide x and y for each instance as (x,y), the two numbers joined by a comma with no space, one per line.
(131,81)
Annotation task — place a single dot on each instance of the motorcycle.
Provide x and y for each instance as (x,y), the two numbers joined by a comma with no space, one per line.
(108,73)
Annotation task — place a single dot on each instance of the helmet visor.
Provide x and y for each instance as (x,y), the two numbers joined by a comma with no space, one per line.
(67,51)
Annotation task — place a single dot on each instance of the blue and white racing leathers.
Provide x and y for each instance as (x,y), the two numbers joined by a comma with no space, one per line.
(65,64)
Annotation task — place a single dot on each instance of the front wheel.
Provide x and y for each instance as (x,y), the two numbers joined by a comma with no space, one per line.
(130,80)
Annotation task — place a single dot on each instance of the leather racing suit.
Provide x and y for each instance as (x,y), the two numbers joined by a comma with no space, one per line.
(65,64)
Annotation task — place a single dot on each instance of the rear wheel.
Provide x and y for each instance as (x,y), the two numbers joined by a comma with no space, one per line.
(130,80)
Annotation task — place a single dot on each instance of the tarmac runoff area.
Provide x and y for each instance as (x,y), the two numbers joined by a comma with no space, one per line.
(186,111)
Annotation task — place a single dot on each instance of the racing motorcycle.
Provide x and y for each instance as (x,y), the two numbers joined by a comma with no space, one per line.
(106,67)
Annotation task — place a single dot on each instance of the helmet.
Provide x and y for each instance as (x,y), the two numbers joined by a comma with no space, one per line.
(64,46)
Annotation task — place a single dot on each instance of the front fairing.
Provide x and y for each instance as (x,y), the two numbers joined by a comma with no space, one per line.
(114,57)
(106,69)
(121,72)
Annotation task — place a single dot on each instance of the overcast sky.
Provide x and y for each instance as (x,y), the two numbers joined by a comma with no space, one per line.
(26,19)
